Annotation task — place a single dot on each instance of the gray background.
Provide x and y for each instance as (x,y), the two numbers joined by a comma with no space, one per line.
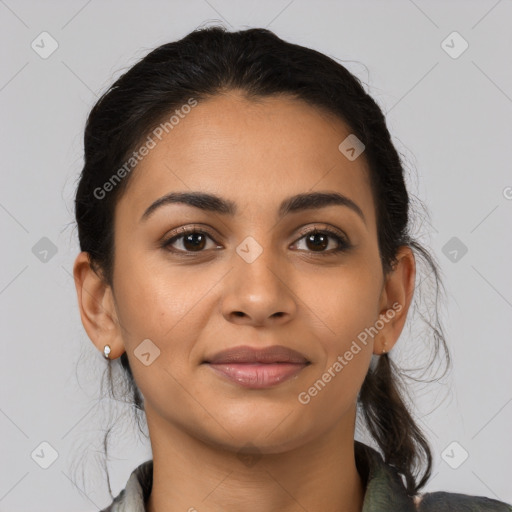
(449,117)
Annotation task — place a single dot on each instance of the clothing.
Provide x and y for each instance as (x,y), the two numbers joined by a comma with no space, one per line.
(384,490)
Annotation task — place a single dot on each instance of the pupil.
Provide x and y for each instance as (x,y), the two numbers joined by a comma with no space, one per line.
(194,244)
(318,241)
(323,242)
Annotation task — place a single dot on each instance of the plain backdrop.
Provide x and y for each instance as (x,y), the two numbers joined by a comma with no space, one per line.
(448,102)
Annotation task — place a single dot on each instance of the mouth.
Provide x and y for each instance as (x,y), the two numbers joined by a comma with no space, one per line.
(257,368)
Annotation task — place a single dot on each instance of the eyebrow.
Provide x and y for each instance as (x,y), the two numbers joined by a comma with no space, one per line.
(212,203)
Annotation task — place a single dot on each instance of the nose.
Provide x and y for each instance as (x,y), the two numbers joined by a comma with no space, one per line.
(258,293)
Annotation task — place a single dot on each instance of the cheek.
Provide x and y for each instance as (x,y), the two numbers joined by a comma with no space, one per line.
(343,313)
(342,303)
(153,296)
(166,309)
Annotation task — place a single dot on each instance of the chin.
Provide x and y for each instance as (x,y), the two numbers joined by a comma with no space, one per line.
(259,430)
(250,443)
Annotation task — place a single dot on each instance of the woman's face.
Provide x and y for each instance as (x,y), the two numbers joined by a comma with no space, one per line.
(250,277)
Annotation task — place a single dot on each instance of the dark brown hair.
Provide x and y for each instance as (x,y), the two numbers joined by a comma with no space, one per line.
(210,61)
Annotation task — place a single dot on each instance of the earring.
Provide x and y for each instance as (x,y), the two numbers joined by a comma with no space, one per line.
(106,351)
(384,351)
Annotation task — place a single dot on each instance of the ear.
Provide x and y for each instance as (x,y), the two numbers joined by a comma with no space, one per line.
(97,307)
(395,300)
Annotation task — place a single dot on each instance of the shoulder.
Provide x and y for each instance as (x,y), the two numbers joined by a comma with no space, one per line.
(385,490)
(442,501)
(138,488)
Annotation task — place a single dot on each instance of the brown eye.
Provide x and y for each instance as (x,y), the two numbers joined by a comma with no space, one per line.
(194,241)
(318,240)
(191,240)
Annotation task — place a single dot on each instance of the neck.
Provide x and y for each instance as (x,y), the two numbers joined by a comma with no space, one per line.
(189,475)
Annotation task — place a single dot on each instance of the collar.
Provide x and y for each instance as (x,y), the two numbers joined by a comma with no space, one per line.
(384,488)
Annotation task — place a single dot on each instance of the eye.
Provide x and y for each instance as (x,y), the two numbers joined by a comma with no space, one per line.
(317,240)
(191,239)
(195,240)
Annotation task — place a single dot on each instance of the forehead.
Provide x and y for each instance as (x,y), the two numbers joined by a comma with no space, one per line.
(253,152)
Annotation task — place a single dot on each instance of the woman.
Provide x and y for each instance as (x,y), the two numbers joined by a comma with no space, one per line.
(243,221)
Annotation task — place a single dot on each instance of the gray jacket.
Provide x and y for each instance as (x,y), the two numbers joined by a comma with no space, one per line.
(384,490)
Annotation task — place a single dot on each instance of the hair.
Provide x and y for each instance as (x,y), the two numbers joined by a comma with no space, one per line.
(212,61)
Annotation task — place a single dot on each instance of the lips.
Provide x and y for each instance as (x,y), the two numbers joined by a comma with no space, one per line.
(246,354)
(257,368)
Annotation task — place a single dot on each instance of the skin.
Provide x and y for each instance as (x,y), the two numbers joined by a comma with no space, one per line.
(255,154)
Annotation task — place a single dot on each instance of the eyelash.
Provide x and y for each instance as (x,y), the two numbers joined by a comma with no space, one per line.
(343,243)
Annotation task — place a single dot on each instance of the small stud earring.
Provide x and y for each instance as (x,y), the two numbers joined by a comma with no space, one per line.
(384,351)
(106,351)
